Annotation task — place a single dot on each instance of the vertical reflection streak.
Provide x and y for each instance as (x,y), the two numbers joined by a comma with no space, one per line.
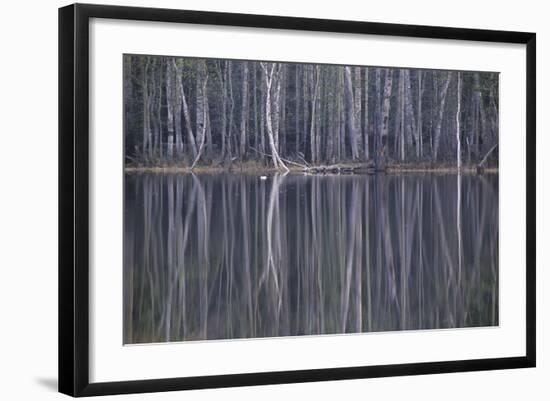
(232,256)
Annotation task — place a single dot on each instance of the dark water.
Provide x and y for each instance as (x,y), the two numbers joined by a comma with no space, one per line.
(234,256)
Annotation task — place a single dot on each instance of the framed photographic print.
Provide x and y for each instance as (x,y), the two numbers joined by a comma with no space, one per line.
(249,199)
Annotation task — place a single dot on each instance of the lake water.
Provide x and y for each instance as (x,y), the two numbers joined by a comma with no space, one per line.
(226,256)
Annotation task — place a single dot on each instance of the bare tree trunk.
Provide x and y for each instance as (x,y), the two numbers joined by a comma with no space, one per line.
(254,72)
(262,122)
(320,114)
(223,128)
(158,132)
(282,131)
(331,120)
(459,221)
(396,115)
(386,111)
(348,88)
(231,108)
(202,121)
(208,141)
(312,134)
(377,118)
(170,108)
(276,99)
(244,111)
(338,123)
(441,109)
(268,75)
(296,111)
(357,107)
(419,118)
(152,106)
(410,127)
(145,102)
(480,131)
(186,114)
(147,135)
(401,103)
(305,104)
(458,147)
(177,111)
(343,118)
(366,114)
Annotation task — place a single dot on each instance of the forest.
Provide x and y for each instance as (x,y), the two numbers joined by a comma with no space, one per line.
(195,113)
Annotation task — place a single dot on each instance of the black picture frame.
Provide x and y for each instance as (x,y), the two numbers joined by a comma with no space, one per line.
(74,198)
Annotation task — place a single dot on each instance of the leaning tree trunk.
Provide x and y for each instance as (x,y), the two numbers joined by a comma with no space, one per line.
(186,114)
(202,121)
(439,122)
(268,75)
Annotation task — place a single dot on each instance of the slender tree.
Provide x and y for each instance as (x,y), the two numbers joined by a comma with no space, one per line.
(351,122)
(458,146)
(269,74)
(244,111)
(440,111)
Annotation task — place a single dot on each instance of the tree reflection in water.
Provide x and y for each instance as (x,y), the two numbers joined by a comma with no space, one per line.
(232,256)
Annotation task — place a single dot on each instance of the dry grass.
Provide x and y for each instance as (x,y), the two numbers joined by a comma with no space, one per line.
(257,167)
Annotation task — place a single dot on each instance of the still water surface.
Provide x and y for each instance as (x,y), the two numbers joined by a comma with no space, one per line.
(226,256)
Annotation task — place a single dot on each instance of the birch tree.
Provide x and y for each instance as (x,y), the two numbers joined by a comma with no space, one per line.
(244,111)
(440,110)
(386,109)
(351,123)
(185,107)
(419,144)
(313,126)
(269,72)
(202,108)
(458,146)
(366,121)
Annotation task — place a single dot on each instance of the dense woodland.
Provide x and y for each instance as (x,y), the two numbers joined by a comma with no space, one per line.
(192,112)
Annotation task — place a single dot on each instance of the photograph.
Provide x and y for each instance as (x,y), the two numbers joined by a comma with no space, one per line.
(282,199)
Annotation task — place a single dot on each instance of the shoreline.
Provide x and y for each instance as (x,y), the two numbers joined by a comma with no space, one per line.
(337,169)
